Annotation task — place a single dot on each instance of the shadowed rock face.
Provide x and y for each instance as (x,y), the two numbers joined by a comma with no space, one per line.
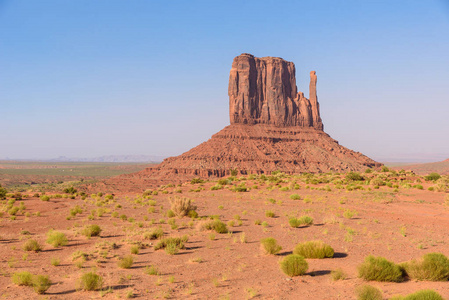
(263,91)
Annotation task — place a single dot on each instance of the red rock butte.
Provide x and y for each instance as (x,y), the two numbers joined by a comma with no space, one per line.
(272,127)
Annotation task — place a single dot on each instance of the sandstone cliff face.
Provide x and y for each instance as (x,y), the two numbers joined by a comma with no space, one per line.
(263,91)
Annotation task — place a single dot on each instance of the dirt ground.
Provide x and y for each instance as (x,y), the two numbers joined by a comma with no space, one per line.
(357,219)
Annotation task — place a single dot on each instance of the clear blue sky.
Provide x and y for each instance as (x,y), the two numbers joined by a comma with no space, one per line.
(87,78)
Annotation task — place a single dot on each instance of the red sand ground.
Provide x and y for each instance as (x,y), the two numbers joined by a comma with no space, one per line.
(396,225)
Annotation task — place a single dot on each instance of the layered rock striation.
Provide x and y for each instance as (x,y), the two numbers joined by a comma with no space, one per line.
(263,91)
(272,127)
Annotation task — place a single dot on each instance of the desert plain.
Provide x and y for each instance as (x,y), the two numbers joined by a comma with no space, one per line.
(394,214)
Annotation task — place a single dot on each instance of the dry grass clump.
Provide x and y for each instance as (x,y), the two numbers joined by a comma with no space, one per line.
(301,221)
(420,295)
(56,239)
(368,292)
(45,198)
(182,206)
(294,222)
(314,249)
(270,214)
(354,176)
(40,283)
(432,267)
(55,261)
(151,270)
(23,278)
(295,197)
(126,262)
(379,269)
(216,225)
(32,245)
(338,274)
(135,249)
(154,234)
(305,220)
(294,265)
(172,244)
(91,230)
(270,246)
(90,281)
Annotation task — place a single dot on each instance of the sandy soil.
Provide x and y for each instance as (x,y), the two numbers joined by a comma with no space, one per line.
(398,225)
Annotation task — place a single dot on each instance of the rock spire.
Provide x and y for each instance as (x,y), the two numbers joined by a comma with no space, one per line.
(263,91)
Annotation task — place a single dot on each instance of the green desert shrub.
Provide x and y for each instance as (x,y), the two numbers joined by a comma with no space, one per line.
(314,249)
(305,220)
(432,267)
(154,234)
(135,249)
(32,245)
(348,214)
(23,278)
(3,192)
(216,225)
(270,214)
(196,181)
(297,222)
(270,245)
(170,214)
(170,242)
(151,270)
(295,197)
(70,190)
(354,176)
(173,248)
(181,206)
(76,210)
(378,182)
(420,295)
(126,262)
(91,230)
(13,211)
(294,265)
(224,181)
(192,214)
(379,269)
(56,238)
(368,292)
(45,198)
(240,188)
(41,283)
(90,281)
(294,222)
(216,187)
(432,176)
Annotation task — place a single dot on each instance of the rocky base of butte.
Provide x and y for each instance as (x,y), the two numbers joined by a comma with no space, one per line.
(273,127)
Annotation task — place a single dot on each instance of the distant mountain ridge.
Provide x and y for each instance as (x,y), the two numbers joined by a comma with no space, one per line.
(441,167)
(105,159)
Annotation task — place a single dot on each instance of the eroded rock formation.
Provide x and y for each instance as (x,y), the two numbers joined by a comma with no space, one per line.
(263,91)
(273,127)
